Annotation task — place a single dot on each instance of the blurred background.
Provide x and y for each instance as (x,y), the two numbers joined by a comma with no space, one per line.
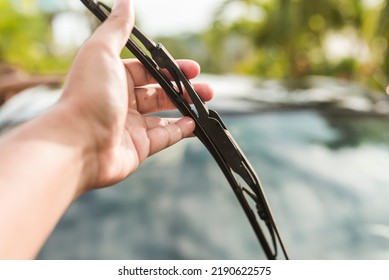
(301,84)
(266,38)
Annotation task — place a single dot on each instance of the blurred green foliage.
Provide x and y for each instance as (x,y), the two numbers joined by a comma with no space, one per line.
(290,39)
(284,39)
(25,40)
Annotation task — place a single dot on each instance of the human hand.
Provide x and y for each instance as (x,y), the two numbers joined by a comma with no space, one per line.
(96,135)
(110,97)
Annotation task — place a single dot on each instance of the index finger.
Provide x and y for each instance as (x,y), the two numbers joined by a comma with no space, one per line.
(142,77)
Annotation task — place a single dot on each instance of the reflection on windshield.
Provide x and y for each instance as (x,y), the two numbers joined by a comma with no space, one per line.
(325,177)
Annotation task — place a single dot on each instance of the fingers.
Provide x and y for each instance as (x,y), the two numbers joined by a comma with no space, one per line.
(154,99)
(142,77)
(165,132)
(114,32)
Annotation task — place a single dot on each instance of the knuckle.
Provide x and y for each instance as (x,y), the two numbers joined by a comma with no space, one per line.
(122,21)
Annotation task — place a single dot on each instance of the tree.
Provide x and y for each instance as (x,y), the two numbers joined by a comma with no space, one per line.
(287,39)
(25,40)
(381,46)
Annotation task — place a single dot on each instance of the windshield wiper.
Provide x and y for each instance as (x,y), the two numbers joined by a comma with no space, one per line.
(211,131)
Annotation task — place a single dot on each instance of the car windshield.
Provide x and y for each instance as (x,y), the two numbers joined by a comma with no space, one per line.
(322,169)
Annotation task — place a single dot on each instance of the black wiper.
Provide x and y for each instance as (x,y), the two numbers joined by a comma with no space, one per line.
(211,131)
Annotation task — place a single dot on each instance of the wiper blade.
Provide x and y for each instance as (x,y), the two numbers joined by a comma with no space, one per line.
(211,131)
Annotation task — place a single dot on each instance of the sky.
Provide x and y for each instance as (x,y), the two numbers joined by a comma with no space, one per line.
(155,17)
(174,16)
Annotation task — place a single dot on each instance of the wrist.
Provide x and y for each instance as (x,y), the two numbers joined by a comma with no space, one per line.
(63,126)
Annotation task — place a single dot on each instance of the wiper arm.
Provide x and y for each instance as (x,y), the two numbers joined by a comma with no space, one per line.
(211,131)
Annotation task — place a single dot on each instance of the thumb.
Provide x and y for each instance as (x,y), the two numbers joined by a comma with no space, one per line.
(116,30)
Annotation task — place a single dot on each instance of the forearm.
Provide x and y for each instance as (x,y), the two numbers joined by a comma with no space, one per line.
(42,170)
